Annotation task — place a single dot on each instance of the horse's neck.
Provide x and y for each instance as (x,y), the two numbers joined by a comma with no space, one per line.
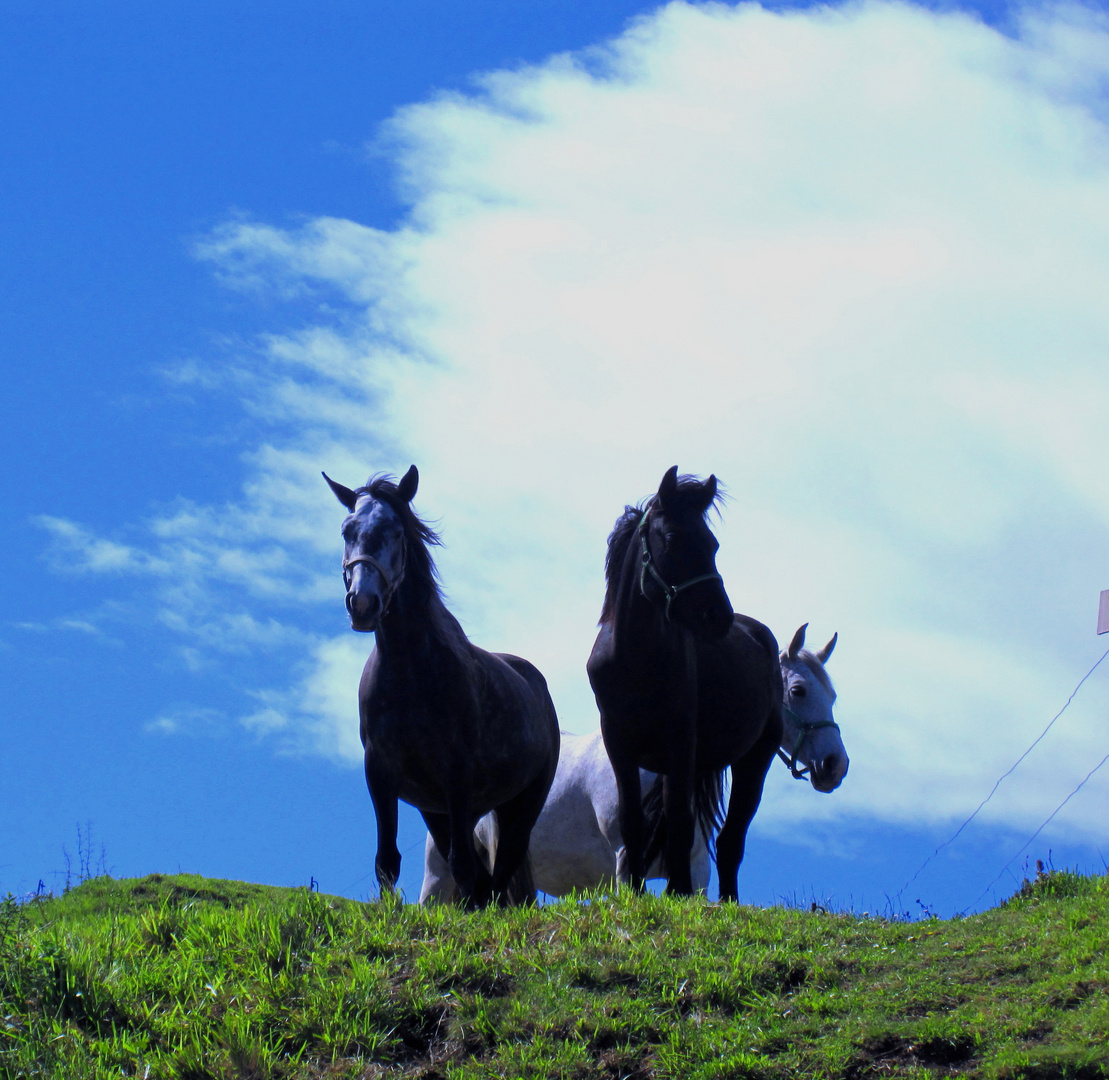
(418,629)
(640,633)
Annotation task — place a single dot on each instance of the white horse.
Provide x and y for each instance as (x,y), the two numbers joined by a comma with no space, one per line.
(576,842)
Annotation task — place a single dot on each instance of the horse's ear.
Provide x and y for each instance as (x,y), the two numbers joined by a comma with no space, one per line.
(824,653)
(669,486)
(708,493)
(343,494)
(797,643)
(409,482)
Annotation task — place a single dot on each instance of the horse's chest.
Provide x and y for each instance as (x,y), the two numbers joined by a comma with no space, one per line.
(716,712)
(413,734)
(431,746)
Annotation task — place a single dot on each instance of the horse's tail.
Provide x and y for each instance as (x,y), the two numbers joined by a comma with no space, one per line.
(708,807)
(654,824)
(708,815)
(521,886)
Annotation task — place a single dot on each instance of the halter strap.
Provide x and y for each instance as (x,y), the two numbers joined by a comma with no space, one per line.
(371,561)
(647,566)
(807,728)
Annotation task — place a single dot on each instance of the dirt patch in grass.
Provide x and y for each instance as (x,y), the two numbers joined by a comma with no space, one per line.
(888,1055)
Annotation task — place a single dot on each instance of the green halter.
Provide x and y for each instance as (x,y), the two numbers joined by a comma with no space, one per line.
(807,727)
(647,566)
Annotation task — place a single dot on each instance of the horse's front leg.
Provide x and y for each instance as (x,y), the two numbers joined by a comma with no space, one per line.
(748,777)
(677,801)
(631,861)
(383,794)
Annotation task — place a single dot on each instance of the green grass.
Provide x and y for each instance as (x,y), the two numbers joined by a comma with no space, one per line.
(190,978)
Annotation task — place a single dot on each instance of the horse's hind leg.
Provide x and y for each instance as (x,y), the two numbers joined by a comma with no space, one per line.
(631,861)
(748,777)
(512,879)
(454,832)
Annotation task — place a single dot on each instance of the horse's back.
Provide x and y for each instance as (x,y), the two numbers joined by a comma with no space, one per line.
(532,677)
(759,633)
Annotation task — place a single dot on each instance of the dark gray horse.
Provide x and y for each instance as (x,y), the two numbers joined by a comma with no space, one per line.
(685,687)
(454,730)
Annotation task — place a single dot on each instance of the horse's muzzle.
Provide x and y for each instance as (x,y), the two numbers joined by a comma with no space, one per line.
(828,773)
(364,610)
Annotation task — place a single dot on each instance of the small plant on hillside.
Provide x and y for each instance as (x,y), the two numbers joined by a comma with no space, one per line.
(86,870)
(1049,882)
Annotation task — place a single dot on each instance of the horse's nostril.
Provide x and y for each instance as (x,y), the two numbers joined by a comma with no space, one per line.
(831,769)
(363,607)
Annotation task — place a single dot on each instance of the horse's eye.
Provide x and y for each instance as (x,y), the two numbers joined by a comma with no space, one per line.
(668,540)
(797,690)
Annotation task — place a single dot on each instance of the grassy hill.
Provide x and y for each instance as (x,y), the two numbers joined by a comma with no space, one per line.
(197,979)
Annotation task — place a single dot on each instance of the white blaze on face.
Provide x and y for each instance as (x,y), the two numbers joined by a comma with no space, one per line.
(373,560)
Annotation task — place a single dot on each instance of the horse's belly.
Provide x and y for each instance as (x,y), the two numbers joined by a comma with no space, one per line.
(561,871)
(426,765)
(726,734)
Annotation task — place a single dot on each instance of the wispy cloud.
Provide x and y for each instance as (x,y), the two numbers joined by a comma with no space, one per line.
(318,713)
(853,259)
(191,721)
(76,548)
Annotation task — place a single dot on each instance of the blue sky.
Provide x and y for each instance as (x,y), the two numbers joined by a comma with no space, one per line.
(852,259)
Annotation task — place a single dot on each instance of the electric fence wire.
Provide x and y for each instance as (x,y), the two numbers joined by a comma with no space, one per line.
(1036,833)
(407,851)
(954,836)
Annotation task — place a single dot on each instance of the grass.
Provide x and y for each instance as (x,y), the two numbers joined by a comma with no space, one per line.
(195,979)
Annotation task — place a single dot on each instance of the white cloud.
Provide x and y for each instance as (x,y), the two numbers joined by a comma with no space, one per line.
(319,712)
(853,259)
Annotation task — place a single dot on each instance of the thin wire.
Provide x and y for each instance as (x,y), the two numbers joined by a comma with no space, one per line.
(955,835)
(1036,833)
(407,851)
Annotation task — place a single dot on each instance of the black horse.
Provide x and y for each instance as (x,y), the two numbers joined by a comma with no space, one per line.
(685,687)
(451,729)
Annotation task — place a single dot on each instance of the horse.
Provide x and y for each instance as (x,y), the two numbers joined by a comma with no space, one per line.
(453,730)
(685,686)
(576,843)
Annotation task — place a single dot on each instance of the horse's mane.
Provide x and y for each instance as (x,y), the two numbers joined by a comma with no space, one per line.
(618,541)
(690,491)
